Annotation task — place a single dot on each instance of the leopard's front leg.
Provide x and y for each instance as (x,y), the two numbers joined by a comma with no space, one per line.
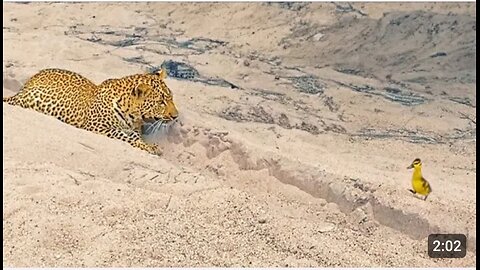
(151,148)
(133,138)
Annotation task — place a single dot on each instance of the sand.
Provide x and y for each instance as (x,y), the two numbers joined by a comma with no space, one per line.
(291,148)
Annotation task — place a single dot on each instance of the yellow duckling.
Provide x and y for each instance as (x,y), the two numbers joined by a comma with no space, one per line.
(420,185)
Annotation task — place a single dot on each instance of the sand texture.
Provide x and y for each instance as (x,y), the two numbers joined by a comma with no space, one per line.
(297,122)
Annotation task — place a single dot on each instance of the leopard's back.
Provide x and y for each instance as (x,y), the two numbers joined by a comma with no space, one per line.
(63,94)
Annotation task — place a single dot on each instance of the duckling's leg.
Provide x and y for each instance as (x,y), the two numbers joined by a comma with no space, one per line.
(426,197)
(412,191)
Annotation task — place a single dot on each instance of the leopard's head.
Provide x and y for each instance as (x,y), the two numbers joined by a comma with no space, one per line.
(156,99)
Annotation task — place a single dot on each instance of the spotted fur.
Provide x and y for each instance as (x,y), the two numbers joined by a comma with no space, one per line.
(116,108)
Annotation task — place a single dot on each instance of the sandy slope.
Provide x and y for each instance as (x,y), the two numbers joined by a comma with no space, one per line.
(303,165)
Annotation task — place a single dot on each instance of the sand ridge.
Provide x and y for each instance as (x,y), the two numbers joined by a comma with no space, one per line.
(291,148)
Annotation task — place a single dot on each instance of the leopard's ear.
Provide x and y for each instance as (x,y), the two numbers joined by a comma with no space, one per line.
(162,73)
(141,91)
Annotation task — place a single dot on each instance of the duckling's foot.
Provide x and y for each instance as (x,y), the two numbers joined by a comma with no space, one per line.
(412,191)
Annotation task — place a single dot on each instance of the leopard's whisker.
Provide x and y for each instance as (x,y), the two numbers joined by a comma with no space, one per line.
(150,128)
(164,126)
(158,125)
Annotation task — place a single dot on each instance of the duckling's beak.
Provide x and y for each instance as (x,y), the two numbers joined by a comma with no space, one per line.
(410,167)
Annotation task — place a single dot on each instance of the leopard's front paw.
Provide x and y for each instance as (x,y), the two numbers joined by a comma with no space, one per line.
(150,148)
(155,149)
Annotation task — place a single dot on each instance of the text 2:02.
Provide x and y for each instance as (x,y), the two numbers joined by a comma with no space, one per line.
(448,245)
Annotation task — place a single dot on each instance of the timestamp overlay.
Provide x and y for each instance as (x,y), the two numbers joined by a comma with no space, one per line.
(447,245)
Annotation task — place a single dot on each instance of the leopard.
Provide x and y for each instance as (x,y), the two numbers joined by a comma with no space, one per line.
(116,108)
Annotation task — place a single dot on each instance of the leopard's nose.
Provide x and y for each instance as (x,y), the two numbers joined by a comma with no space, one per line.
(172,111)
(173,115)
